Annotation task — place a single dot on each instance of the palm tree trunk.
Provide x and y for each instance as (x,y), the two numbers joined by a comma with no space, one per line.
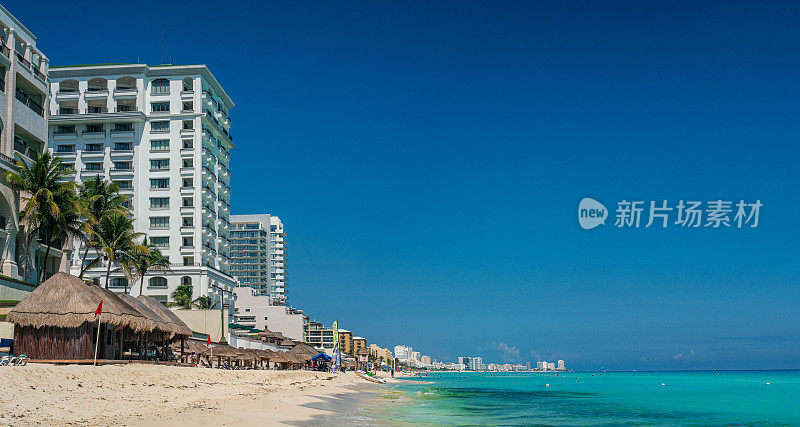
(46,254)
(141,285)
(83,259)
(108,271)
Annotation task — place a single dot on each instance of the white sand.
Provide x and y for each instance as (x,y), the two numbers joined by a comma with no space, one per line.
(142,395)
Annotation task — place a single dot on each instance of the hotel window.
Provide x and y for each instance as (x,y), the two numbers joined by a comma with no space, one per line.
(159,164)
(63,166)
(188,260)
(124,127)
(124,185)
(124,166)
(65,149)
(159,202)
(188,144)
(157,282)
(188,106)
(64,129)
(160,126)
(159,107)
(94,128)
(160,86)
(159,183)
(159,145)
(119,282)
(188,202)
(188,124)
(188,221)
(160,242)
(94,166)
(94,148)
(187,183)
(187,163)
(188,241)
(159,222)
(122,146)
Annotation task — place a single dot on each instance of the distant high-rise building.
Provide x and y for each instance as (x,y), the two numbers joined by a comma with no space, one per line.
(528,365)
(402,352)
(551,366)
(561,366)
(258,255)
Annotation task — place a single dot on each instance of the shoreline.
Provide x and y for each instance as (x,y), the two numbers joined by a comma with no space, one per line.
(148,395)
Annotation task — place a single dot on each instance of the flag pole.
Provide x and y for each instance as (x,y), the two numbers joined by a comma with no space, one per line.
(97,340)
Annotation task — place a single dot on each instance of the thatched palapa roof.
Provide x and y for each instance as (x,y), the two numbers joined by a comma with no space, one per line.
(65,301)
(158,322)
(178,325)
(304,349)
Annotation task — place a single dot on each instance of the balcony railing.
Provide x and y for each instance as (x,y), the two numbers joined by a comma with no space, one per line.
(95,110)
(29,102)
(5,50)
(25,62)
(96,89)
(23,149)
(39,74)
(65,131)
(121,128)
(67,111)
(125,108)
(68,90)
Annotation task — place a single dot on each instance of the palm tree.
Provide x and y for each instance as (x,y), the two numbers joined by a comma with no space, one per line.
(205,303)
(46,192)
(69,224)
(144,262)
(182,297)
(98,198)
(116,240)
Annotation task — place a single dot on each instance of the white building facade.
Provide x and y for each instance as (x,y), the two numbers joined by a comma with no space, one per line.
(259,255)
(163,134)
(256,311)
(23,130)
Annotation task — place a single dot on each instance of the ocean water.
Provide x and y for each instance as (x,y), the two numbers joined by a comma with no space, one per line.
(619,398)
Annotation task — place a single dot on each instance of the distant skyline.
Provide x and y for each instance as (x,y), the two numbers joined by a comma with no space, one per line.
(427,160)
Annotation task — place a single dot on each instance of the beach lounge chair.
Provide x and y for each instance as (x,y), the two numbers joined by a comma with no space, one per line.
(22,360)
(6,360)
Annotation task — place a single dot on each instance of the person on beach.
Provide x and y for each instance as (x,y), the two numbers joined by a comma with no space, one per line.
(392,372)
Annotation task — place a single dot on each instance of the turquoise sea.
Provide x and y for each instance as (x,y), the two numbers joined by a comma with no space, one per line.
(617,398)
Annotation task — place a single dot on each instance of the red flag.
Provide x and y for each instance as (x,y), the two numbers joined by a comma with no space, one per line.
(99,310)
(208,343)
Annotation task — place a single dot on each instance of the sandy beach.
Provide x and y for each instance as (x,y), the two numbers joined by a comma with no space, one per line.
(145,395)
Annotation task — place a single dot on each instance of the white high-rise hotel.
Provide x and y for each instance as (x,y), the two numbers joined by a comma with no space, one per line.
(23,130)
(258,255)
(162,133)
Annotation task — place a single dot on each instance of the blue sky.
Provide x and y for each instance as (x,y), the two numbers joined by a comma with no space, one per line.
(427,159)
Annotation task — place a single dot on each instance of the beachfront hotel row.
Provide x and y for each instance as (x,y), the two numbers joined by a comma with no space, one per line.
(162,133)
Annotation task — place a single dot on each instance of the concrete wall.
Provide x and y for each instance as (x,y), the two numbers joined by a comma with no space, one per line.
(10,290)
(206,322)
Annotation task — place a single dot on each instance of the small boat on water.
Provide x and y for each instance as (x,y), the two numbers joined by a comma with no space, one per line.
(368,377)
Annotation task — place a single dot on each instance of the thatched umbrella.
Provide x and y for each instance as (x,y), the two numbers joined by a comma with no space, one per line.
(304,349)
(179,327)
(159,323)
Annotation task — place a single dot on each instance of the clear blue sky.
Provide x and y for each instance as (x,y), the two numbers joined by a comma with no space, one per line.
(427,159)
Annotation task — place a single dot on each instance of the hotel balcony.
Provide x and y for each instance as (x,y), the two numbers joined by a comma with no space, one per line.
(122,92)
(67,93)
(96,93)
